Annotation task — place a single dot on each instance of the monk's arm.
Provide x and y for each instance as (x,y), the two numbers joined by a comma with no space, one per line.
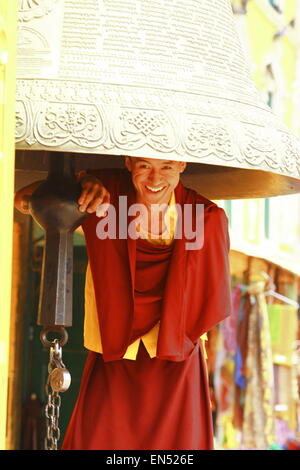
(22,196)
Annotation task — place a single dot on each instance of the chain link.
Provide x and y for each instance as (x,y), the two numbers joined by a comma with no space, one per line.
(52,408)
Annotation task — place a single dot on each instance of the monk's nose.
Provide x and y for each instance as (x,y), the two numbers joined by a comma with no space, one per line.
(155,178)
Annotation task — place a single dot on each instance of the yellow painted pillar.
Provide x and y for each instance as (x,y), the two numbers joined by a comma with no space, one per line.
(8,26)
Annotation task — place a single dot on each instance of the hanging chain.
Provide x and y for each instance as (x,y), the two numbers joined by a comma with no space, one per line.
(59,380)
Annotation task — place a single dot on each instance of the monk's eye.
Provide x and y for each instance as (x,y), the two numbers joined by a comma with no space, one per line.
(143,166)
(167,168)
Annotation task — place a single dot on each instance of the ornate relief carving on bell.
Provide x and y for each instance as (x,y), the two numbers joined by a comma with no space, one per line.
(159,78)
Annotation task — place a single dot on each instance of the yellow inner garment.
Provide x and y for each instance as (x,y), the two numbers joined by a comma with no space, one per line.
(92,339)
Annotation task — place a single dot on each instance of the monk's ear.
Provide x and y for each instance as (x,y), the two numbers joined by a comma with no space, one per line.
(182,166)
(128,163)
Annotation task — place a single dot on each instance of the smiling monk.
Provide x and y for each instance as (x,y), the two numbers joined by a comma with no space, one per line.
(148,303)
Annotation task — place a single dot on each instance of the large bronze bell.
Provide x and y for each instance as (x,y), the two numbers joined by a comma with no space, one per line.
(162,79)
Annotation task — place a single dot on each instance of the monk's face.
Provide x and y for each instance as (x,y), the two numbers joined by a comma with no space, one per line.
(153,179)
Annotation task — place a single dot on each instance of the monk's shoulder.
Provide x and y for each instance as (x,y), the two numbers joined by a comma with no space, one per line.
(194,197)
(212,211)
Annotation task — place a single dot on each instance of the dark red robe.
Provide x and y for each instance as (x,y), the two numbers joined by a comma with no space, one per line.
(163,402)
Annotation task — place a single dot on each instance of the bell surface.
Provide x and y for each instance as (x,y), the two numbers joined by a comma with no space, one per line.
(160,79)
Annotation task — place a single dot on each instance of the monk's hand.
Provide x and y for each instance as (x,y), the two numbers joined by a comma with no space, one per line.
(22,203)
(22,197)
(94,196)
(25,204)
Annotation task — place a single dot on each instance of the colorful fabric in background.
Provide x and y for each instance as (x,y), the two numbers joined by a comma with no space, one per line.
(224,393)
(258,420)
(285,437)
(241,342)
(253,374)
(240,359)
(233,340)
(230,323)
